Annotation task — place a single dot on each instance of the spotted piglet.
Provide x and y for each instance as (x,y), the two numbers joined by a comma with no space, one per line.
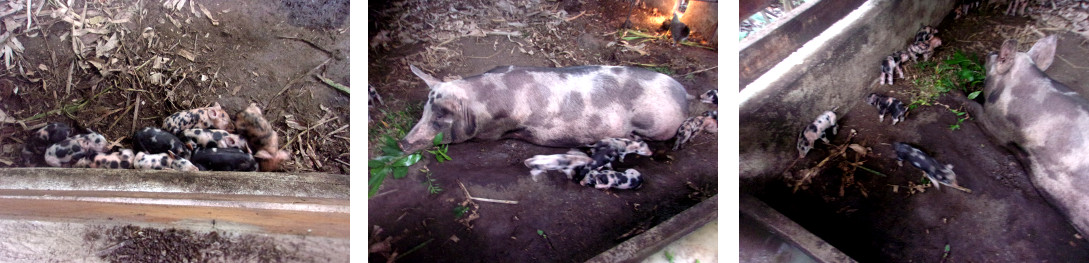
(251,123)
(153,140)
(887,104)
(207,117)
(621,147)
(566,162)
(122,159)
(213,138)
(223,159)
(70,151)
(816,130)
(42,138)
(941,174)
(692,127)
(925,33)
(893,64)
(605,179)
(711,96)
(162,161)
(924,49)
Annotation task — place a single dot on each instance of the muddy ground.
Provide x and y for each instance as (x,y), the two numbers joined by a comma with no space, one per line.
(229,52)
(555,220)
(878,218)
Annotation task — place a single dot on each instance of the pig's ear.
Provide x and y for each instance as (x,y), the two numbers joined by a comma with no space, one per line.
(1043,52)
(1006,56)
(431,81)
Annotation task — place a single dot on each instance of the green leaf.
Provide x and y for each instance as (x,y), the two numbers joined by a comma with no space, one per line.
(946,248)
(973,95)
(437,140)
(540,232)
(377,176)
(376,164)
(960,113)
(460,210)
(400,172)
(392,150)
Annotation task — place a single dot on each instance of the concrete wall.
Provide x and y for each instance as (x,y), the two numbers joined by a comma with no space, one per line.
(839,72)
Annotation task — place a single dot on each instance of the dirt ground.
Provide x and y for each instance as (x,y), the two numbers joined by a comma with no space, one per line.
(555,220)
(162,61)
(876,218)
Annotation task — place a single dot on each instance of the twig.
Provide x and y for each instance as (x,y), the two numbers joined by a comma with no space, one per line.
(702,70)
(958,187)
(505,33)
(484,199)
(574,17)
(71,67)
(838,151)
(135,113)
(333,84)
(414,249)
(327,52)
(496,53)
(288,85)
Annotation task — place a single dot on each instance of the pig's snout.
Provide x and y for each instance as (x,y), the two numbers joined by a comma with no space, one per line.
(410,147)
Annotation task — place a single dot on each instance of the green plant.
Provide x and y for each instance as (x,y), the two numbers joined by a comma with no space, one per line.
(392,160)
(669,256)
(460,211)
(959,71)
(541,233)
(439,150)
(394,123)
(969,74)
(432,186)
(961,116)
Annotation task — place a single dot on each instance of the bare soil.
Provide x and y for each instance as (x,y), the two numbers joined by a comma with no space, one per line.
(555,220)
(878,218)
(263,52)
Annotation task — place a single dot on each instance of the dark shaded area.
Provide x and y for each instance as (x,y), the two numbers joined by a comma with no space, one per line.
(316,14)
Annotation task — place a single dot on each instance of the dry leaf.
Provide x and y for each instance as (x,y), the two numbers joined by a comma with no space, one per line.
(858,148)
(186,54)
(5,118)
(291,123)
(208,14)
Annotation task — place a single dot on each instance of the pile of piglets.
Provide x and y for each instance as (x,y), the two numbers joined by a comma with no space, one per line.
(594,170)
(195,140)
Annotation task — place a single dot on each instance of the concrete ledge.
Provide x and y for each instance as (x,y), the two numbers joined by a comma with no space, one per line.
(245,183)
(793,233)
(653,240)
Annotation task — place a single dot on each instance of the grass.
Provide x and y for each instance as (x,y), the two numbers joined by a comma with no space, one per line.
(459,211)
(432,186)
(960,71)
(961,116)
(395,123)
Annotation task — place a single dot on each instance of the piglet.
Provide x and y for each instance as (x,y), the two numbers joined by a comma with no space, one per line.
(924,48)
(72,150)
(941,174)
(893,63)
(153,140)
(42,138)
(621,147)
(213,138)
(711,96)
(962,7)
(207,117)
(223,159)
(692,127)
(605,179)
(887,104)
(925,33)
(566,162)
(162,161)
(251,123)
(122,159)
(816,130)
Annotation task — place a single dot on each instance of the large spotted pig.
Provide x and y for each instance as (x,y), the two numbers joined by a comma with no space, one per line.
(251,123)
(153,140)
(75,148)
(162,161)
(223,159)
(557,107)
(213,138)
(207,117)
(566,162)
(1043,122)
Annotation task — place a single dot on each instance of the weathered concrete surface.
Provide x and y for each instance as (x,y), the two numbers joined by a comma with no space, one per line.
(760,52)
(51,214)
(838,74)
(654,239)
(276,184)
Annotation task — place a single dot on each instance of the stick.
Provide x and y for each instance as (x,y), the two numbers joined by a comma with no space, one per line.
(333,84)
(485,199)
(959,188)
(135,113)
(414,249)
(71,67)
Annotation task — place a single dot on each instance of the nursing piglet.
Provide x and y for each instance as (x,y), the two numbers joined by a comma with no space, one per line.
(566,162)
(259,134)
(207,117)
